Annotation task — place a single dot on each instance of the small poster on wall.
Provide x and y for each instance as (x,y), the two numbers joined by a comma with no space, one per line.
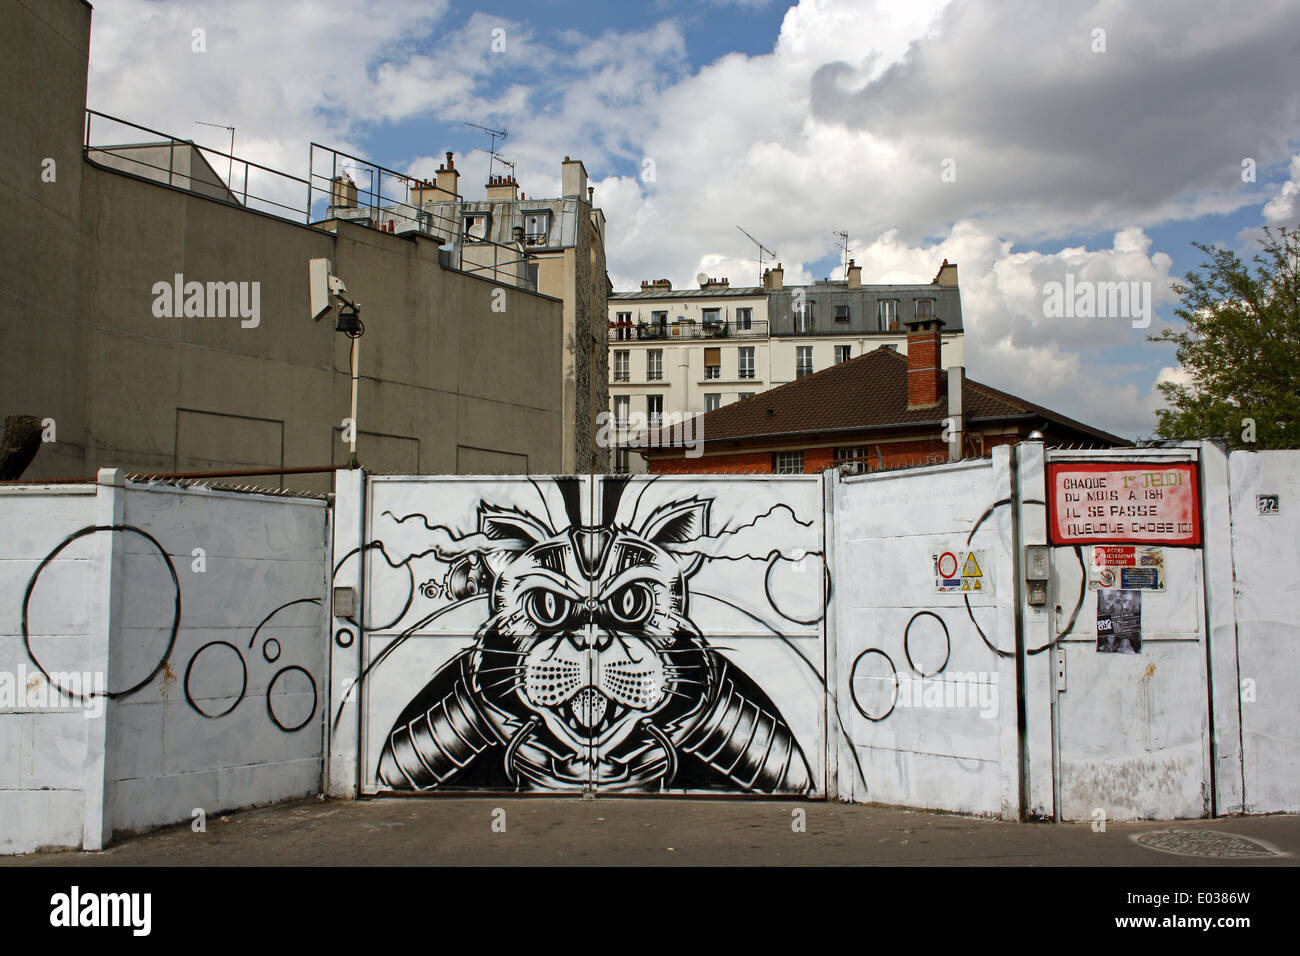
(1128,567)
(1119,621)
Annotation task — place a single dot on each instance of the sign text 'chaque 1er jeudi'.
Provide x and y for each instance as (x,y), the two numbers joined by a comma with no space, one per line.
(1118,502)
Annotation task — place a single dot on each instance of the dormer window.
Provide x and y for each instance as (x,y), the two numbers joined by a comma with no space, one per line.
(537,226)
(476,227)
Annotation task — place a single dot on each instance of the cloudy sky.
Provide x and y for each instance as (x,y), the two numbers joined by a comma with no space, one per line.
(1022,139)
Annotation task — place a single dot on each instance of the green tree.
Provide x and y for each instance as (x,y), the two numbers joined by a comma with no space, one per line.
(1241,345)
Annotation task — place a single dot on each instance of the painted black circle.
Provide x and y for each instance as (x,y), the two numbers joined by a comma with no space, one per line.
(826,590)
(343,637)
(853,690)
(176,614)
(243,686)
(907,632)
(266,650)
(270,689)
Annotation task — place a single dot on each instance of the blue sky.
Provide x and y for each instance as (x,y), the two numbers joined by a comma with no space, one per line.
(1022,139)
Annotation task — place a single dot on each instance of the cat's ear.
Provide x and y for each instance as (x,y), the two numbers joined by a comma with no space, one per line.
(678,523)
(511,530)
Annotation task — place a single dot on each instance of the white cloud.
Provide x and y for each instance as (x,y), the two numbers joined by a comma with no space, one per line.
(1284,208)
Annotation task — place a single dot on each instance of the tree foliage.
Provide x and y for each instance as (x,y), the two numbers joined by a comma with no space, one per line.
(1241,347)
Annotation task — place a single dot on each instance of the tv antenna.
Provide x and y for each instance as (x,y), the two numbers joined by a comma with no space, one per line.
(230,169)
(495,134)
(843,237)
(761,250)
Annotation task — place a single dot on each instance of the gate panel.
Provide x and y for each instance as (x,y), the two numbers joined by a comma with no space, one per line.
(926,675)
(626,635)
(1133,725)
(1265,497)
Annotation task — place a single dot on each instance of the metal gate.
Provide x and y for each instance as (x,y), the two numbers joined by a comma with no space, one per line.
(588,633)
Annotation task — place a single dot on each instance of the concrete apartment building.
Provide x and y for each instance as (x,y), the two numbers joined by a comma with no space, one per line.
(553,246)
(683,352)
(125,373)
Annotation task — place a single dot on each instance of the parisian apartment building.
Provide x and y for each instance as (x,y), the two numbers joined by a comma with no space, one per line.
(553,246)
(685,352)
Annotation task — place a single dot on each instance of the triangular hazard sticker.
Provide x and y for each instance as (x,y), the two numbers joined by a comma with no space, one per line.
(972,568)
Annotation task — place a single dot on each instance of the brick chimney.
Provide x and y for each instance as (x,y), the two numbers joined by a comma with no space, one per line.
(923,346)
(711,283)
(854,275)
(502,188)
(656,285)
(773,279)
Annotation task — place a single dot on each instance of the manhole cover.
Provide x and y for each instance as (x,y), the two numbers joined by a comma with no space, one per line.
(1203,843)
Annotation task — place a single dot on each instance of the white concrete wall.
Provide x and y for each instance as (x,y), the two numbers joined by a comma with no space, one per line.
(1266,556)
(943,754)
(211,708)
(261,591)
(46,753)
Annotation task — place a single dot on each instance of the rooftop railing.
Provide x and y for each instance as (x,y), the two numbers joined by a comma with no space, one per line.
(338,186)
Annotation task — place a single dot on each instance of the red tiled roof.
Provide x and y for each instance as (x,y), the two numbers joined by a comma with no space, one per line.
(868,392)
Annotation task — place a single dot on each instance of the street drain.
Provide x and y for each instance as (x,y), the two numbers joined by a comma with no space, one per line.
(1204,843)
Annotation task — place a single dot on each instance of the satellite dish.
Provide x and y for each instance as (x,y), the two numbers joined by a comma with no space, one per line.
(702,278)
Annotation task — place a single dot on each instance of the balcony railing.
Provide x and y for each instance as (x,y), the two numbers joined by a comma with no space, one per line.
(684,330)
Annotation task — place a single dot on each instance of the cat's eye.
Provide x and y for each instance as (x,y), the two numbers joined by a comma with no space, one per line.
(631,604)
(548,608)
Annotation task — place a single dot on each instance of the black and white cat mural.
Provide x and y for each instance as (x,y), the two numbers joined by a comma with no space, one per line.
(595,660)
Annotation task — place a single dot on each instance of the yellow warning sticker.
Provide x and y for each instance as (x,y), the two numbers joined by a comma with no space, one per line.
(972,567)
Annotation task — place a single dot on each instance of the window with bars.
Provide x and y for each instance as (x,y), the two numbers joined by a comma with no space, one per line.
(788,463)
(843,353)
(622,404)
(654,406)
(744,318)
(713,362)
(620,461)
(712,401)
(887,310)
(841,313)
(804,320)
(745,361)
(803,362)
(621,365)
(654,364)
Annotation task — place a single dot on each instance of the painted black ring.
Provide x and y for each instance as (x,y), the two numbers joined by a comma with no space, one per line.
(338,637)
(266,650)
(853,691)
(176,615)
(947,639)
(826,589)
(314,698)
(410,594)
(242,687)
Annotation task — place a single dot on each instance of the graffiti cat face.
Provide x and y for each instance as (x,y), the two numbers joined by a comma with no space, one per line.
(589,630)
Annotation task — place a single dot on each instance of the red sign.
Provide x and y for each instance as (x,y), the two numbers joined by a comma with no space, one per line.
(1122,502)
